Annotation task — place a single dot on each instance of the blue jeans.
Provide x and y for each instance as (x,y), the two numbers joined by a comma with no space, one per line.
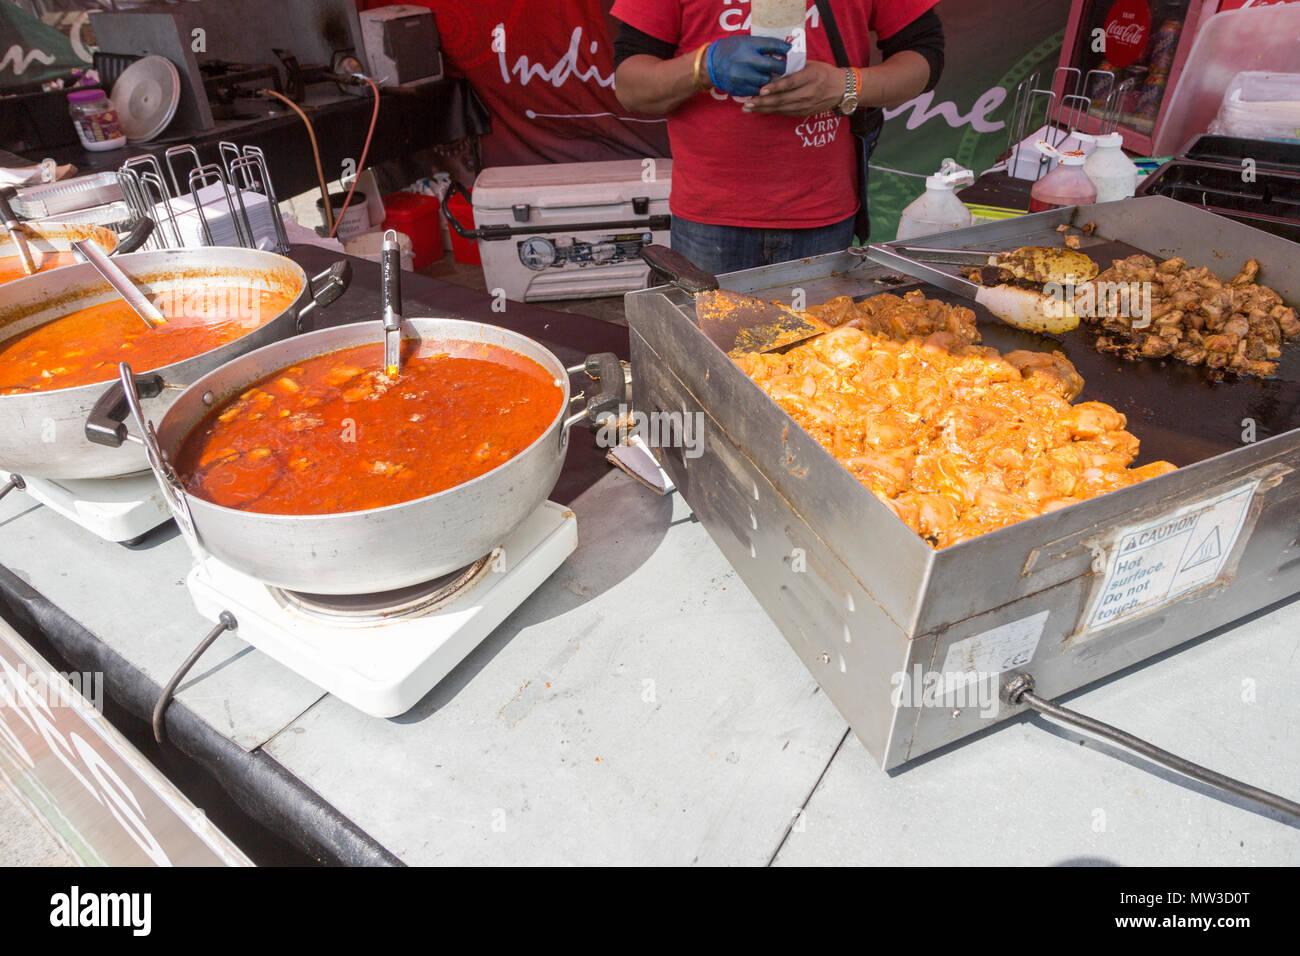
(720,249)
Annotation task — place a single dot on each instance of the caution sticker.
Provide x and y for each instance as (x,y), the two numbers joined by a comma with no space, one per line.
(1157,562)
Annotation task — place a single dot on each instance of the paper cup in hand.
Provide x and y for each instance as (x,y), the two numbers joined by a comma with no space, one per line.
(783,19)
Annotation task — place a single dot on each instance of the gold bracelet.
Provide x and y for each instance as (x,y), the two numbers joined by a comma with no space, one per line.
(704,84)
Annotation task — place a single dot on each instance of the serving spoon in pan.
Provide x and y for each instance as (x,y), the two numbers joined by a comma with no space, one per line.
(391,271)
(26,255)
(118,279)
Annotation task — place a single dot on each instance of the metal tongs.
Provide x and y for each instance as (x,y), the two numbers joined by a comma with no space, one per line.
(391,266)
(1041,264)
(1016,306)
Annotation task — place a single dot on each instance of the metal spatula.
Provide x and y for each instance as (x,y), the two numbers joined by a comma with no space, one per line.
(733,321)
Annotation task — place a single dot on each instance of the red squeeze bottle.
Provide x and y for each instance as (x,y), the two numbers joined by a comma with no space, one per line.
(1066,185)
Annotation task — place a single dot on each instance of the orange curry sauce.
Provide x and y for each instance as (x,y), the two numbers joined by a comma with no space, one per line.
(11,267)
(85,346)
(334,433)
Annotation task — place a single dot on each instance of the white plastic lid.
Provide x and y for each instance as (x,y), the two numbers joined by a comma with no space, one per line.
(1105,140)
(1068,157)
(949,175)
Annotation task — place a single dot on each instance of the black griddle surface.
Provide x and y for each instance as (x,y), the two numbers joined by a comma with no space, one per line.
(1177,411)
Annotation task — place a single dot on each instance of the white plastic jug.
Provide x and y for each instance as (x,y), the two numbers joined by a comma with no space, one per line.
(1113,173)
(938,209)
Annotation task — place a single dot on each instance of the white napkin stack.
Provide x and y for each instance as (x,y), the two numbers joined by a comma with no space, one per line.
(220,219)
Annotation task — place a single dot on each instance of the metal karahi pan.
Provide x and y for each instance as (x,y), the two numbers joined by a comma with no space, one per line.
(379,549)
(46,237)
(42,432)
(35,239)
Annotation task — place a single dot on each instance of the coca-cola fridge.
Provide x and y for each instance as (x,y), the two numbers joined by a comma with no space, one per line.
(1145,44)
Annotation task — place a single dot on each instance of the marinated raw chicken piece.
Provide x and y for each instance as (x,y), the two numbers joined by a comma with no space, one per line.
(911,314)
(953,437)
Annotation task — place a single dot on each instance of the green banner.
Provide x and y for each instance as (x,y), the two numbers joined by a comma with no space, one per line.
(965,116)
(30,51)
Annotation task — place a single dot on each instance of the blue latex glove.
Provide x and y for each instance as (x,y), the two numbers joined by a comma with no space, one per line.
(743,65)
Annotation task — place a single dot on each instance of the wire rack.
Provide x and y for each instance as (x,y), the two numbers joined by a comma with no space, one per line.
(1095,93)
(240,173)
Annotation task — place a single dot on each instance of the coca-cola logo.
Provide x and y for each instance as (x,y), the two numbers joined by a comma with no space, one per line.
(1127,35)
(1128,25)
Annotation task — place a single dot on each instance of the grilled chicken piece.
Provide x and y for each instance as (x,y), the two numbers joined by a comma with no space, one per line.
(1195,317)
(1247,274)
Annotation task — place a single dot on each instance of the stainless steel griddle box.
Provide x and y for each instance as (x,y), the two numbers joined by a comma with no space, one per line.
(861,598)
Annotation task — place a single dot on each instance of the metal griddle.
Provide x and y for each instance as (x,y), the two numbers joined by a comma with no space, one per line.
(864,601)
(1178,411)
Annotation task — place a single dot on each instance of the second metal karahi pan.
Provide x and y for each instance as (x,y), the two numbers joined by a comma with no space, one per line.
(377,549)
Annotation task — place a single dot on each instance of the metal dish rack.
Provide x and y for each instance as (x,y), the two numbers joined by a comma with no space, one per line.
(240,170)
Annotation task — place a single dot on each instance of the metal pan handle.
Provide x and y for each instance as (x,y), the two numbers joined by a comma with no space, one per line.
(604,404)
(678,270)
(139,233)
(611,388)
(106,424)
(336,280)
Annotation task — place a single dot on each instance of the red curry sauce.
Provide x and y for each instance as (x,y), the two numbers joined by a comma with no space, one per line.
(84,347)
(11,267)
(334,433)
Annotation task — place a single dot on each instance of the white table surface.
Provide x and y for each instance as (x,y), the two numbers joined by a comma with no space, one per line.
(641,708)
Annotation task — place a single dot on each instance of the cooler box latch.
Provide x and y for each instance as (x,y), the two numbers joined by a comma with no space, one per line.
(641,205)
(523,212)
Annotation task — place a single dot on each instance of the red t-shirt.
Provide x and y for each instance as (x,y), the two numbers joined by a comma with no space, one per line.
(732,168)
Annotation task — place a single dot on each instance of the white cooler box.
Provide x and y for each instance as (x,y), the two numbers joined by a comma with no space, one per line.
(570,230)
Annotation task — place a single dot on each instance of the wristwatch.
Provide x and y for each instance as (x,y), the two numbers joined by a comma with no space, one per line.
(850,101)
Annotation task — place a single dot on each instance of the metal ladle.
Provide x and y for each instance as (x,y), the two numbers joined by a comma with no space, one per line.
(25,253)
(391,264)
(118,279)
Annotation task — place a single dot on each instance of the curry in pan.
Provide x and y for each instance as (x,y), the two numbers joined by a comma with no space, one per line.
(85,346)
(11,267)
(335,433)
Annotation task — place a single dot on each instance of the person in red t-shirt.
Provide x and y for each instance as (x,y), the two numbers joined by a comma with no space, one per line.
(765,168)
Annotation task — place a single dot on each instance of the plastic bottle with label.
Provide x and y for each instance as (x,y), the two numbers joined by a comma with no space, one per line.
(938,209)
(1114,174)
(1066,185)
